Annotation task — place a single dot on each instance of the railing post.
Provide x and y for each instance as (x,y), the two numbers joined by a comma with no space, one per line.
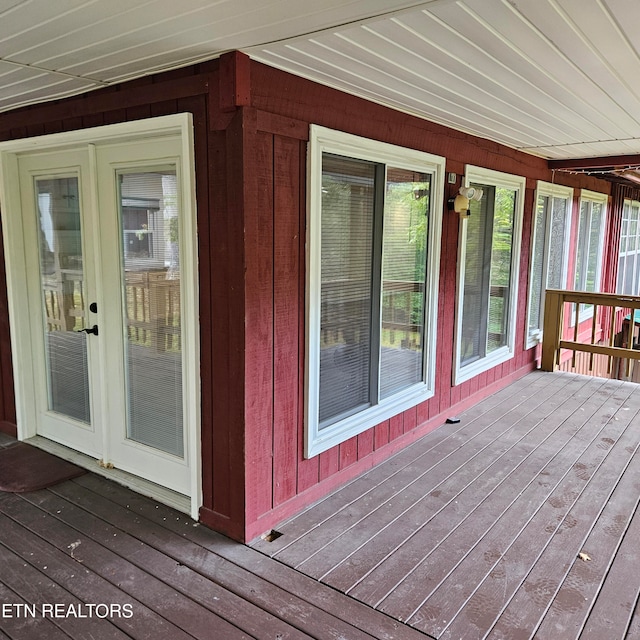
(552,329)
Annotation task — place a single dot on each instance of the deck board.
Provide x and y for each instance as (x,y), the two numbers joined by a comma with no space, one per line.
(94,541)
(107,578)
(33,586)
(476,534)
(396,487)
(454,534)
(27,626)
(329,600)
(477,473)
(473,532)
(268,598)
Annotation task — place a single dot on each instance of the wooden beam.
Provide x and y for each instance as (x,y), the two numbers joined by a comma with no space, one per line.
(616,352)
(235,81)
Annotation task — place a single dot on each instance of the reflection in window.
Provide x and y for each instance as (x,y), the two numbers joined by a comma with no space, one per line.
(548,265)
(488,273)
(62,287)
(589,247)
(149,222)
(374,244)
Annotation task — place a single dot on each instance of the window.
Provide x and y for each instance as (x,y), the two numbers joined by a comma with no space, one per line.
(373,256)
(589,246)
(629,259)
(549,250)
(489,254)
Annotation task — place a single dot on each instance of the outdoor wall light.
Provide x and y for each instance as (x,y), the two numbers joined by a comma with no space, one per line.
(460,204)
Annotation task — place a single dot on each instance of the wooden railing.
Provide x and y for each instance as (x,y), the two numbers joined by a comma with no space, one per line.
(152,306)
(608,333)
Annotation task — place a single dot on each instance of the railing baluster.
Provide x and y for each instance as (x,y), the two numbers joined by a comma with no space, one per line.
(576,323)
(632,330)
(612,328)
(593,334)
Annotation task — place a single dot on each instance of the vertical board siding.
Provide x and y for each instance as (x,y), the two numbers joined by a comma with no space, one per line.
(381,436)
(250,156)
(216,496)
(288,308)
(365,443)
(259,323)
(230,341)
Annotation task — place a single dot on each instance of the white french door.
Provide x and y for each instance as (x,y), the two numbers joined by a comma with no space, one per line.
(107,242)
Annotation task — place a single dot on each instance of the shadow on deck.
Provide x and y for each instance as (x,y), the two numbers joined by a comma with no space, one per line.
(519,522)
(475,531)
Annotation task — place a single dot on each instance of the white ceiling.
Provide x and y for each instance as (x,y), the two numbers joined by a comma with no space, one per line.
(556,78)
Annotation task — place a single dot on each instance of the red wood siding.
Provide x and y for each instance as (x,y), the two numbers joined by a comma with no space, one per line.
(251,130)
(286,107)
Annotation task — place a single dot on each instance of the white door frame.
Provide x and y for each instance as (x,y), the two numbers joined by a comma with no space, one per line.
(16,267)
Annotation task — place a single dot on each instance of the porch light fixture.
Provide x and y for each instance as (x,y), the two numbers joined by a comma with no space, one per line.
(460,204)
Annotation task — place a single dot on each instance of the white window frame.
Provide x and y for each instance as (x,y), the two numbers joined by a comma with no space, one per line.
(480,175)
(591,197)
(635,251)
(323,140)
(553,191)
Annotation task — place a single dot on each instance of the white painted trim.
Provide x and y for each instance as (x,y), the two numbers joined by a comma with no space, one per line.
(24,375)
(18,303)
(140,485)
(481,175)
(632,206)
(323,140)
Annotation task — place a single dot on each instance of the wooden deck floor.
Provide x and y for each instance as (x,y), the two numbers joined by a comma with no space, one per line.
(476,530)
(87,543)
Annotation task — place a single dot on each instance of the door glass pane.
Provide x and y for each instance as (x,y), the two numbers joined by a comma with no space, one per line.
(348,192)
(62,286)
(149,215)
(404,260)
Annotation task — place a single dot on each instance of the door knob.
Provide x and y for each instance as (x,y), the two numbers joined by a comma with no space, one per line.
(93,330)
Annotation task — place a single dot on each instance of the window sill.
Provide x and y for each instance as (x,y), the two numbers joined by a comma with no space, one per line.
(464,373)
(319,440)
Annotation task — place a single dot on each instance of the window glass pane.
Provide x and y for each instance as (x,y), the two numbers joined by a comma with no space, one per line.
(583,247)
(537,263)
(631,267)
(476,277)
(63,298)
(622,286)
(557,235)
(593,265)
(149,215)
(500,285)
(348,196)
(403,279)
(487,273)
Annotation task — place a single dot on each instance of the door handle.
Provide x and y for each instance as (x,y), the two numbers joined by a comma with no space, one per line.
(93,330)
